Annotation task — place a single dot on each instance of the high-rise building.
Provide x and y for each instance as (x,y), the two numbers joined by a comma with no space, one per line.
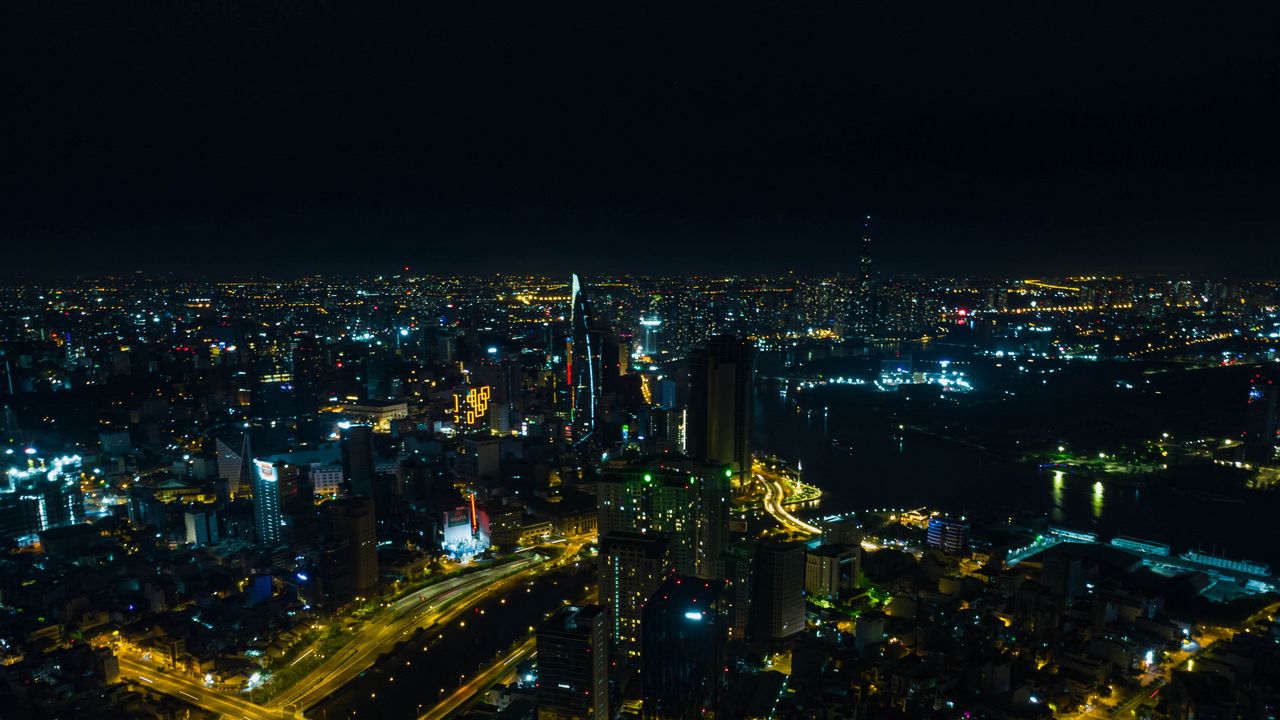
(863,306)
(718,428)
(353,523)
(734,568)
(268,515)
(777,600)
(1260,445)
(632,565)
(649,331)
(831,569)
(573,664)
(202,527)
(684,650)
(358,458)
(583,371)
(948,535)
(685,499)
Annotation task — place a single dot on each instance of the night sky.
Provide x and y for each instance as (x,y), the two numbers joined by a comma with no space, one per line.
(253,137)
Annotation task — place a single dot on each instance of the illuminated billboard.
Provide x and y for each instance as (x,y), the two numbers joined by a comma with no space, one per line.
(473,407)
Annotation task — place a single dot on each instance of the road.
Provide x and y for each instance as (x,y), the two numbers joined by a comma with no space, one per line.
(775,493)
(185,688)
(436,604)
(481,682)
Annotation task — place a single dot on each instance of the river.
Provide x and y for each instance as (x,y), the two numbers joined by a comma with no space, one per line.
(856,454)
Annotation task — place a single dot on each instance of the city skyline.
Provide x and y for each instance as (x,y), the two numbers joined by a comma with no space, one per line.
(639,361)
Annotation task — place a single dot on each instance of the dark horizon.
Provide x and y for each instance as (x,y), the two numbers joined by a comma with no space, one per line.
(245,140)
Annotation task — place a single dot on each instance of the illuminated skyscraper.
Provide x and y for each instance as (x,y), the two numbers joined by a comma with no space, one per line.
(583,373)
(718,428)
(632,565)
(649,329)
(948,535)
(864,260)
(863,305)
(267,513)
(686,500)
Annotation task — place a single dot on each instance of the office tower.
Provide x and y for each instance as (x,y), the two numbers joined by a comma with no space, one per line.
(268,516)
(664,393)
(357,458)
(684,650)
(573,664)
(233,466)
(734,568)
(482,459)
(664,430)
(352,522)
(310,371)
(685,499)
(40,498)
(831,569)
(777,600)
(863,303)
(1260,445)
(842,532)
(864,260)
(202,527)
(718,428)
(948,535)
(583,372)
(649,329)
(632,565)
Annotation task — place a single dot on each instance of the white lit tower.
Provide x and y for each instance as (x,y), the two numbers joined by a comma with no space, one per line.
(583,373)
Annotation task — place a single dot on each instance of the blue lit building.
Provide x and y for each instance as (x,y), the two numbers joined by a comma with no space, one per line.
(268,515)
(44,495)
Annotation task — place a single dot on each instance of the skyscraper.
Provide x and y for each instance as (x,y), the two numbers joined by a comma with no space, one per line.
(685,499)
(632,565)
(573,664)
(353,524)
(684,650)
(583,373)
(202,526)
(357,458)
(718,428)
(831,569)
(777,601)
(268,516)
(948,535)
(863,305)
(649,329)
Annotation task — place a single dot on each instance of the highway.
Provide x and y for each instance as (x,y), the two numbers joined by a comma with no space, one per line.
(775,493)
(183,687)
(481,682)
(432,604)
(435,604)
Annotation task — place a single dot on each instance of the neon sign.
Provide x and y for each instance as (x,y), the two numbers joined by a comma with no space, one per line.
(472,407)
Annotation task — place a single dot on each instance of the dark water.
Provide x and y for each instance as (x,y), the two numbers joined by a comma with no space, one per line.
(413,678)
(855,453)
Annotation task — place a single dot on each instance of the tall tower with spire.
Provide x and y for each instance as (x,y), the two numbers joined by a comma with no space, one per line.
(863,305)
(582,365)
